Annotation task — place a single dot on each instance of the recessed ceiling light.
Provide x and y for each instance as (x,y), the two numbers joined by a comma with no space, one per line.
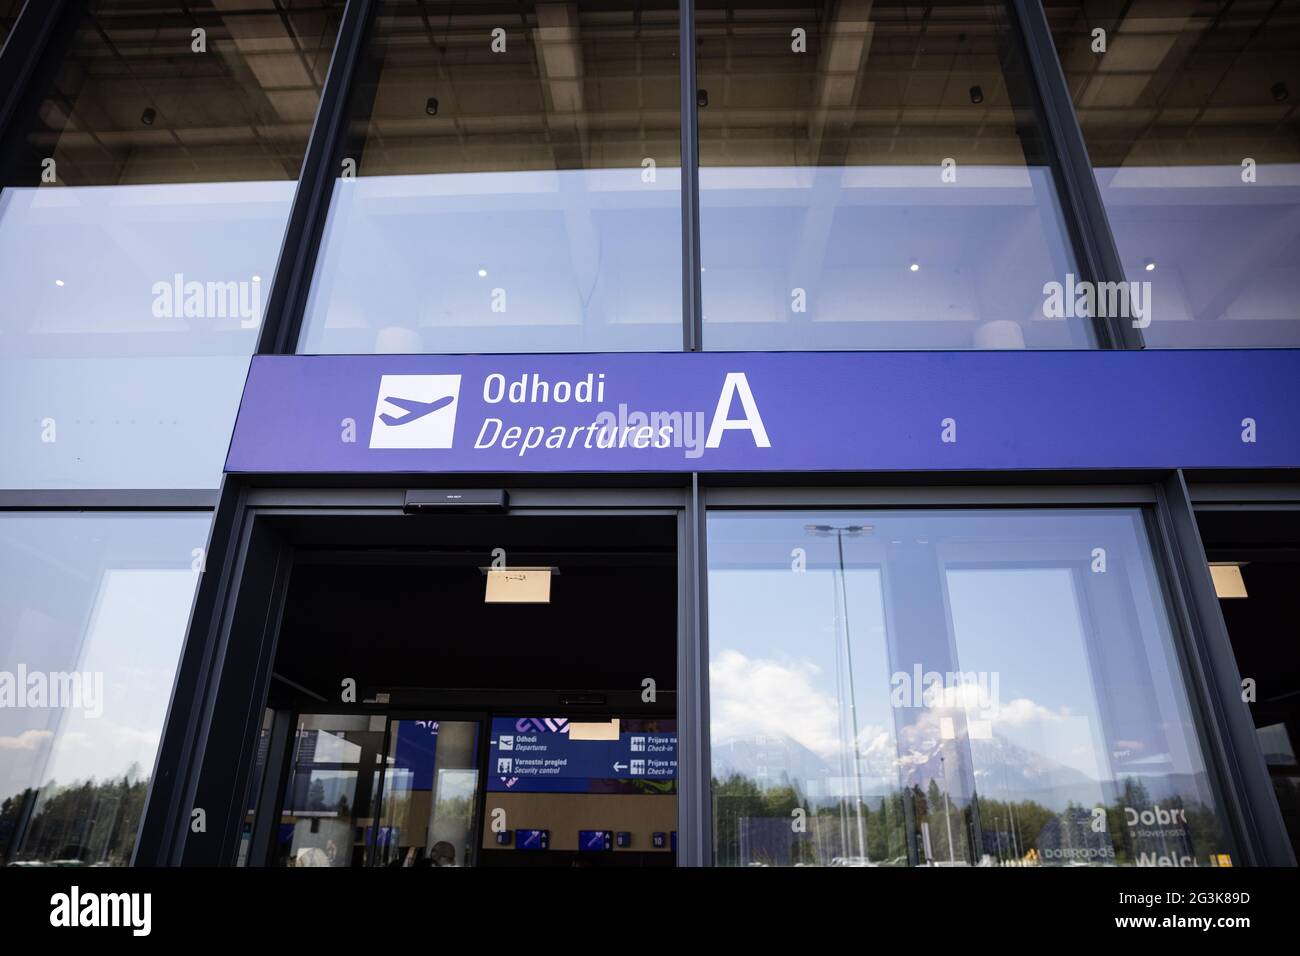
(431,106)
(915,267)
(482,273)
(257,278)
(1150,265)
(59,283)
(976,94)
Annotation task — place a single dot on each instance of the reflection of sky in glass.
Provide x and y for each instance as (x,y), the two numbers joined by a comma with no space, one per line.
(543,261)
(99,594)
(1000,599)
(848,236)
(139,399)
(1223,252)
(590,260)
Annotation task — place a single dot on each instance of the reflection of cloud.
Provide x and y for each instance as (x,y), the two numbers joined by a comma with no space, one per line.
(27,740)
(101,750)
(749,697)
(1023,711)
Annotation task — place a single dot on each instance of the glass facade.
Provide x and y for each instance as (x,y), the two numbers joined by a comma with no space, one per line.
(1188,110)
(873,175)
(949,688)
(917,686)
(147,182)
(93,610)
(511,183)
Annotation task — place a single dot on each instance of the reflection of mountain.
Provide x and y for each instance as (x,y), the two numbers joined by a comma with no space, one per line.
(1002,770)
(777,762)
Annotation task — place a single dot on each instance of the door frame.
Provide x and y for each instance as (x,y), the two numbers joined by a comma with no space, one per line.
(205,760)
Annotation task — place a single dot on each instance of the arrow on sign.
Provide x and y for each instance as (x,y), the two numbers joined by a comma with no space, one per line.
(619,766)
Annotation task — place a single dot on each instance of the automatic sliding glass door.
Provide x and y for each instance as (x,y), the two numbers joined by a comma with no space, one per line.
(429,794)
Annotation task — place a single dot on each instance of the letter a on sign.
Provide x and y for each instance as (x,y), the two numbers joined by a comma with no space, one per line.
(737,384)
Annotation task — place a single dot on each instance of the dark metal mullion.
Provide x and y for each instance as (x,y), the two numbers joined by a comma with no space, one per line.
(165,800)
(110,499)
(311,201)
(1215,682)
(275,775)
(694,797)
(692,296)
(1080,196)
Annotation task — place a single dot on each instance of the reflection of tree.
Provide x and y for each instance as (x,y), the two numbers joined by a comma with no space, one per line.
(455,815)
(753,825)
(84,821)
(316,796)
(739,799)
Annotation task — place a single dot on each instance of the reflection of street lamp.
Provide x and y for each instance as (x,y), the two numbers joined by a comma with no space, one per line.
(840,532)
(947,812)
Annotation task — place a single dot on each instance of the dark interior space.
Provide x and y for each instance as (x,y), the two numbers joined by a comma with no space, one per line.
(409,615)
(470,711)
(1264,625)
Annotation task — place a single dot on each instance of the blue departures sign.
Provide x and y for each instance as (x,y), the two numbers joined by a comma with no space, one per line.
(748,412)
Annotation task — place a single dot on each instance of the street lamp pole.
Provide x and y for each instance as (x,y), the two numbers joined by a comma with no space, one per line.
(848,659)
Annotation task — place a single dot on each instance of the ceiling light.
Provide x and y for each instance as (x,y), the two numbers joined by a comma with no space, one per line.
(59,283)
(431,106)
(482,273)
(915,267)
(976,94)
(1279,91)
(702,98)
(148,116)
(257,278)
(1149,265)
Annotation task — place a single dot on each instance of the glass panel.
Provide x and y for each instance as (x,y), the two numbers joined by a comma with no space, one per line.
(93,611)
(146,190)
(949,688)
(1187,112)
(330,795)
(512,184)
(430,788)
(873,176)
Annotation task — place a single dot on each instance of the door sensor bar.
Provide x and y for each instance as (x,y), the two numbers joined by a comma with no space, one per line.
(455,499)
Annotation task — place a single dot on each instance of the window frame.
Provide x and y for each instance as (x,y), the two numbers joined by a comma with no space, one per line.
(1210,676)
